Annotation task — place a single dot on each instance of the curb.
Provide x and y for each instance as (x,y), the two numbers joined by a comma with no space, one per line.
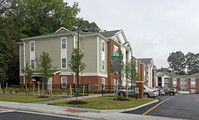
(112,111)
(80,109)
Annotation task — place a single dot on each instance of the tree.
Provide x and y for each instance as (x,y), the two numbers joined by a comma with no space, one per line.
(178,87)
(127,72)
(192,63)
(28,72)
(3,75)
(76,63)
(177,62)
(164,70)
(45,67)
(134,76)
(27,18)
(170,84)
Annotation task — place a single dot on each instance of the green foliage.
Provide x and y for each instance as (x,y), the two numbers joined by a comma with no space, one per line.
(44,66)
(25,18)
(170,84)
(177,62)
(133,75)
(76,61)
(28,72)
(164,70)
(178,87)
(192,63)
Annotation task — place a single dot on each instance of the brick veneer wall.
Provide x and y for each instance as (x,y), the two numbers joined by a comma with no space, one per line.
(153,77)
(111,44)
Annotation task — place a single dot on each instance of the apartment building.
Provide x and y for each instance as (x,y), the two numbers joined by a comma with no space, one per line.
(97,47)
(185,82)
(146,70)
(151,71)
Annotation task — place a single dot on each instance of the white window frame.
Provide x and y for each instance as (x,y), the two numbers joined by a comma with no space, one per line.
(103,83)
(32,66)
(62,43)
(103,65)
(32,42)
(103,46)
(62,82)
(63,63)
(63,51)
(193,82)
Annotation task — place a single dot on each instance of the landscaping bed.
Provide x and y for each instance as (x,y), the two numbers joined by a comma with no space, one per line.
(106,103)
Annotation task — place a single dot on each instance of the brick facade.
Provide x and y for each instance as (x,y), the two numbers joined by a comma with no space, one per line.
(111,75)
(154,78)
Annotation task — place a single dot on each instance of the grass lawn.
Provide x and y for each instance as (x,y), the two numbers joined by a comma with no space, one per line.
(24,98)
(107,103)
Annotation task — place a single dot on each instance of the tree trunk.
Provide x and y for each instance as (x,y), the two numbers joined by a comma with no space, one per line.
(43,87)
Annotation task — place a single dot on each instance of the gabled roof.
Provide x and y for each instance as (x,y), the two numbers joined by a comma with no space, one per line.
(61,29)
(168,74)
(108,34)
(146,60)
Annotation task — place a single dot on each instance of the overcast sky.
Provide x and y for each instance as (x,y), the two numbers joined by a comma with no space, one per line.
(154,28)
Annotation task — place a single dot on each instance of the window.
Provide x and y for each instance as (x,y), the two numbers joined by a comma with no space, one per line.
(192,79)
(103,83)
(103,65)
(193,82)
(64,82)
(102,46)
(174,82)
(32,46)
(32,64)
(115,51)
(63,43)
(63,62)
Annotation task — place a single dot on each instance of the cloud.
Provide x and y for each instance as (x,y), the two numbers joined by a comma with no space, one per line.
(154,28)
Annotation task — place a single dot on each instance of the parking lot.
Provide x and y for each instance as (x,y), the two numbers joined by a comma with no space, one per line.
(178,106)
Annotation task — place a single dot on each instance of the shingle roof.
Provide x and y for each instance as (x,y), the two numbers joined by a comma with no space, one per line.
(109,33)
(146,60)
(106,34)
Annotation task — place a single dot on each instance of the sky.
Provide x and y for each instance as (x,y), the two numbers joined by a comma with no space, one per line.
(154,28)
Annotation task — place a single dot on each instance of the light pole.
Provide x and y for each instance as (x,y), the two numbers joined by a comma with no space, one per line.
(84,30)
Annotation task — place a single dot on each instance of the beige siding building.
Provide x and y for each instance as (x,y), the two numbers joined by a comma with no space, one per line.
(97,47)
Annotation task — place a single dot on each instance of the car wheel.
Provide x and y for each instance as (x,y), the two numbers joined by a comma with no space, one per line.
(171,94)
(146,95)
(122,94)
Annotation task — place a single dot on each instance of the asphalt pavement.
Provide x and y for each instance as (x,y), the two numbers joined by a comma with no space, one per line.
(179,106)
(31,116)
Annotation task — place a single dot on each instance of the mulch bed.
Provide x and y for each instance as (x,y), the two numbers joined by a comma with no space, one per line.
(74,102)
(43,97)
(122,99)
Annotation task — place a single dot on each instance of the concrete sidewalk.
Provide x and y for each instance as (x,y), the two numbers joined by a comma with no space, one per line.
(65,111)
(68,99)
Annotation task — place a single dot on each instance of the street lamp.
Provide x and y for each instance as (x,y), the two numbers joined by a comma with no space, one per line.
(84,30)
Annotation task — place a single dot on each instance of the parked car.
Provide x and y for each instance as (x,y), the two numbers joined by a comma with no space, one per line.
(160,90)
(197,92)
(123,92)
(150,92)
(170,91)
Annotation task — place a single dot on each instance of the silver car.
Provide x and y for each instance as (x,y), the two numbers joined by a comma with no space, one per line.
(150,92)
(123,92)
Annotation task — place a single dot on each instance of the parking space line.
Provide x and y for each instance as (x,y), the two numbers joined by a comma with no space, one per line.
(156,105)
